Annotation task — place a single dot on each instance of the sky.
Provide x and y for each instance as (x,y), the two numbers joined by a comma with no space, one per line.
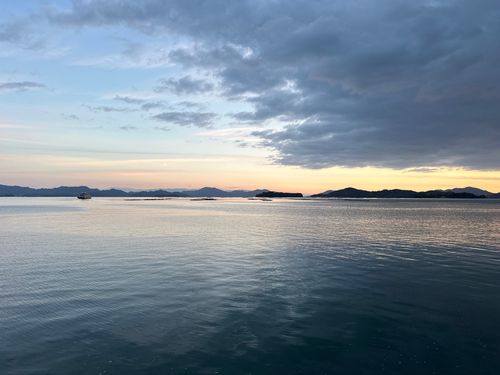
(301,96)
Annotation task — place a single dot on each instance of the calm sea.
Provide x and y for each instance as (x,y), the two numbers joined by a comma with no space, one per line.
(109,286)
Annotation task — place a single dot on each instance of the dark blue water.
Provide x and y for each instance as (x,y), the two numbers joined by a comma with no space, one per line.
(249,287)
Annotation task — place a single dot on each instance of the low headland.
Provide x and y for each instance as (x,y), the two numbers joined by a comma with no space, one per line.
(277,194)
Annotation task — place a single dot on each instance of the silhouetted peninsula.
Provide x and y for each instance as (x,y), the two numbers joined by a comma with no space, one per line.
(276,194)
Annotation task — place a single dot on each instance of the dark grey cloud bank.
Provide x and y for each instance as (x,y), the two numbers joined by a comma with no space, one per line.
(397,84)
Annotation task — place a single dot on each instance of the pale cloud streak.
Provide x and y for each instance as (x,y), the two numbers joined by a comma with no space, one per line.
(142,161)
(105,108)
(232,134)
(10,126)
(198,119)
(129,100)
(21,86)
(24,141)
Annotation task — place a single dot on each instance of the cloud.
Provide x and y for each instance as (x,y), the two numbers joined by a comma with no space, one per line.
(189,104)
(129,100)
(198,119)
(20,31)
(105,108)
(70,117)
(163,128)
(422,170)
(135,55)
(184,86)
(152,105)
(242,144)
(149,16)
(232,134)
(21,86)
(383,83)
(128,127)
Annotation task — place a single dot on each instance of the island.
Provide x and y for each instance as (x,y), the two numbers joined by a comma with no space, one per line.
(277,194)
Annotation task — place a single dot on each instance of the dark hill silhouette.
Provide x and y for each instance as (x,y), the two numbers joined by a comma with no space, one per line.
(470,189)
(394,193)
(62,191)
(15,190)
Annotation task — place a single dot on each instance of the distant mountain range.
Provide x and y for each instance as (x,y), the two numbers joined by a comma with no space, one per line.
(73,191)
(468,192)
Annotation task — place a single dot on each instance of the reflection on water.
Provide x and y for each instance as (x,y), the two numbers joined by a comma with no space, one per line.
(238,286)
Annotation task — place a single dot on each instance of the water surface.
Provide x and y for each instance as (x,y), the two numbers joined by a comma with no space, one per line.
(109,286)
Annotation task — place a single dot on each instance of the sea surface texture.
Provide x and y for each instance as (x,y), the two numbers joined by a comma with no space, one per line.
(108,286)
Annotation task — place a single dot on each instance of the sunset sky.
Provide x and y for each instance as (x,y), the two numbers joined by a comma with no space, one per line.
(286,95)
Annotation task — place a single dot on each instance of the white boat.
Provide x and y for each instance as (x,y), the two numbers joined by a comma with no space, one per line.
(84,196)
